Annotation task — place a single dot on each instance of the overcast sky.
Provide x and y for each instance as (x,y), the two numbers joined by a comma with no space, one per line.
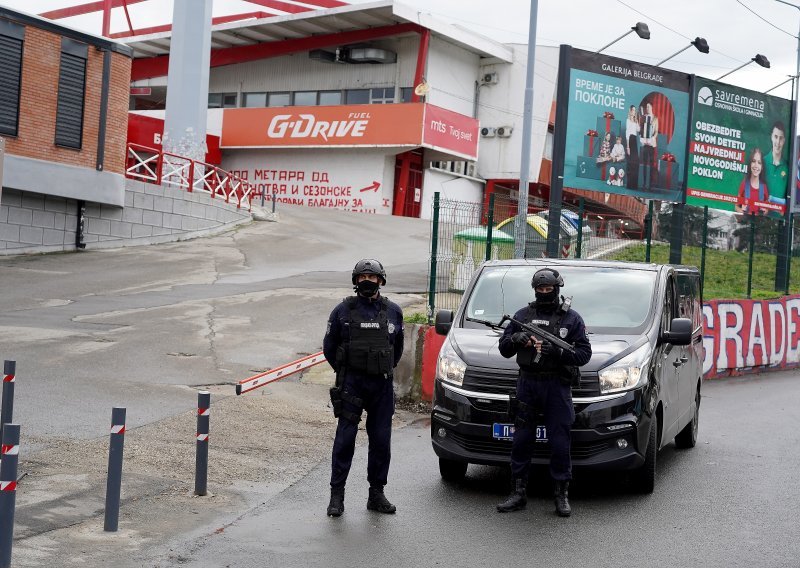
(736,30)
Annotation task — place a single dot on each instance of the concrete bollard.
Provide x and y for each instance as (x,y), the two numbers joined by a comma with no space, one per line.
(7,408)
(8,491)
(201,463)
(114,481)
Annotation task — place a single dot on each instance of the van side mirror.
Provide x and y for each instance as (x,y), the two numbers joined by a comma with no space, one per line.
(680,332)
(444,320)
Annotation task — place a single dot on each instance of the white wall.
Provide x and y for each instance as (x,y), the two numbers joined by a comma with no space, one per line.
(331,178)
(503,104)
(451,74)
(449,187)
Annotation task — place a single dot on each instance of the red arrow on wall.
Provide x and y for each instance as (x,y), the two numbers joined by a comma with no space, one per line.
(374,187)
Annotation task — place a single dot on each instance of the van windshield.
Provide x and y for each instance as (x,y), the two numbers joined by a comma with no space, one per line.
(610,300)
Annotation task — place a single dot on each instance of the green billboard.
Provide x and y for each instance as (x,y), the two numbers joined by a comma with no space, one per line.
(738,150)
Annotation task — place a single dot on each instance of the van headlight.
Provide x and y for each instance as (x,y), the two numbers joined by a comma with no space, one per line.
(627,373)
(450,367)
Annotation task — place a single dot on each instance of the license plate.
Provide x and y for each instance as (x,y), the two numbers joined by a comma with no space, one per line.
(506,432)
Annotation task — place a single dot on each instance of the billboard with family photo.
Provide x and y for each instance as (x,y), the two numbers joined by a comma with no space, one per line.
(739,150)
(626,127)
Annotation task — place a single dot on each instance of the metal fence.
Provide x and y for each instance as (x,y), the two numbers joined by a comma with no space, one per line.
(739,256)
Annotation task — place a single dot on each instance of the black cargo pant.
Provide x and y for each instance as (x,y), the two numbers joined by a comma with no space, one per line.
(377,395)
(550,396)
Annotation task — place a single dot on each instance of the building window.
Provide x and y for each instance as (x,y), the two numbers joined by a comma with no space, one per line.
(357,96)
(222,100)
(382,96)
(251,100)
(11,38)
(328,98)
(305,98)
(71,93)
(280,99)
(406,93)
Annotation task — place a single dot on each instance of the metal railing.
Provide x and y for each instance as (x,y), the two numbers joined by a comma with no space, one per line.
(164,168)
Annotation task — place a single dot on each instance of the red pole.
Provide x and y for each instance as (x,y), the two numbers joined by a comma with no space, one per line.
(422,58)
(106,18)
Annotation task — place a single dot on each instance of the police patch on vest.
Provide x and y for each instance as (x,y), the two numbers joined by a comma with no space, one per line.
(540,322)
(563,332)
(370,325)
(391,327)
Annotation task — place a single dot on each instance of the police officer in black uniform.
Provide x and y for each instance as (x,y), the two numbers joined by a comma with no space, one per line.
(544,386)
(363,344)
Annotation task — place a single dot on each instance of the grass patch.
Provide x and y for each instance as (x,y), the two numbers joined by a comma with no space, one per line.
(725,271)
(416,317)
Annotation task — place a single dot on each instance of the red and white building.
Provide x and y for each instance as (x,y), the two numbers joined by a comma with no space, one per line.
(371,107)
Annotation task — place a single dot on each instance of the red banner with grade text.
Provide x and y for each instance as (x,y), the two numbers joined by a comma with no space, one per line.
(750,336)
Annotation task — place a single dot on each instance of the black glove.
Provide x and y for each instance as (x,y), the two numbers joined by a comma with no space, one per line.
(521,338)
(551,351)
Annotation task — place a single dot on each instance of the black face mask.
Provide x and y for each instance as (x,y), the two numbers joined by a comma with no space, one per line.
(367,288)
(548,299)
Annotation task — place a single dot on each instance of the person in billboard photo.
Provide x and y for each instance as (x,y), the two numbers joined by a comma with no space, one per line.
(649,136)
(632,129)
(753,187)
(605,149)
(776,167)
(618,151)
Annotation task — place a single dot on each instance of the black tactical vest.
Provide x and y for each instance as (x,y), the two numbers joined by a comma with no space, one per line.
(526,355)
(369,350)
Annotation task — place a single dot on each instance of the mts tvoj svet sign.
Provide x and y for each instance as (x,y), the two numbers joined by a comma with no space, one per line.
(738,150)
(626,127)
(394,125)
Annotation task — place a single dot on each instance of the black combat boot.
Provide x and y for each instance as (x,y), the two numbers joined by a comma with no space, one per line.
(378,502)
(336,506)
(561,495)
(517,499)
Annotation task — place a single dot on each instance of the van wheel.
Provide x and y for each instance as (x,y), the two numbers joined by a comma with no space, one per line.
(687,438)
(644,478)
(452,470)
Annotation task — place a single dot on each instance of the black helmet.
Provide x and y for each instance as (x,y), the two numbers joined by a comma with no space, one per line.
(369,266)
(547,277)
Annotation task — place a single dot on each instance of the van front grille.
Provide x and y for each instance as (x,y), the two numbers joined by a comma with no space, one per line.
(504,381)
(578,451)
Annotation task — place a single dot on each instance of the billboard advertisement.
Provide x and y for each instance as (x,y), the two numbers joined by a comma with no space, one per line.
(626,127)
(739,150)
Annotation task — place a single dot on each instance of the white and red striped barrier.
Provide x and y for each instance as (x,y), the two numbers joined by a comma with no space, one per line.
(278,373)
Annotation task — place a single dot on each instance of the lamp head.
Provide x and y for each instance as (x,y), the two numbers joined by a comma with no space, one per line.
(642,30)
(701,44)
(761,60)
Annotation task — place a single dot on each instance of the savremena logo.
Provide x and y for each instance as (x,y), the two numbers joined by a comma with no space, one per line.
(705,96)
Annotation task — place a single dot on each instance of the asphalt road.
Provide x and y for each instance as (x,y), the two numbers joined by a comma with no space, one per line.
(134,327)
(731,501)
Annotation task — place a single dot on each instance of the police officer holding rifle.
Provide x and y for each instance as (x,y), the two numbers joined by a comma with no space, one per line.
(546,372)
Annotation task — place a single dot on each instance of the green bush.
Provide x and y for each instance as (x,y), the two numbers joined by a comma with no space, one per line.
(416,317)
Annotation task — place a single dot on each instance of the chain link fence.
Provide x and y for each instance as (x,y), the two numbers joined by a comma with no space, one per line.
(739,255)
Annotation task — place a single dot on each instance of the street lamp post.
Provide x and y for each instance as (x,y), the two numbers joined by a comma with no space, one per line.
(700,43)
(760,59)
(782,269)
(641,30)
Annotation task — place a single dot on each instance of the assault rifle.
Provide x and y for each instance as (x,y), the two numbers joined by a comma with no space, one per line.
(531,328)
